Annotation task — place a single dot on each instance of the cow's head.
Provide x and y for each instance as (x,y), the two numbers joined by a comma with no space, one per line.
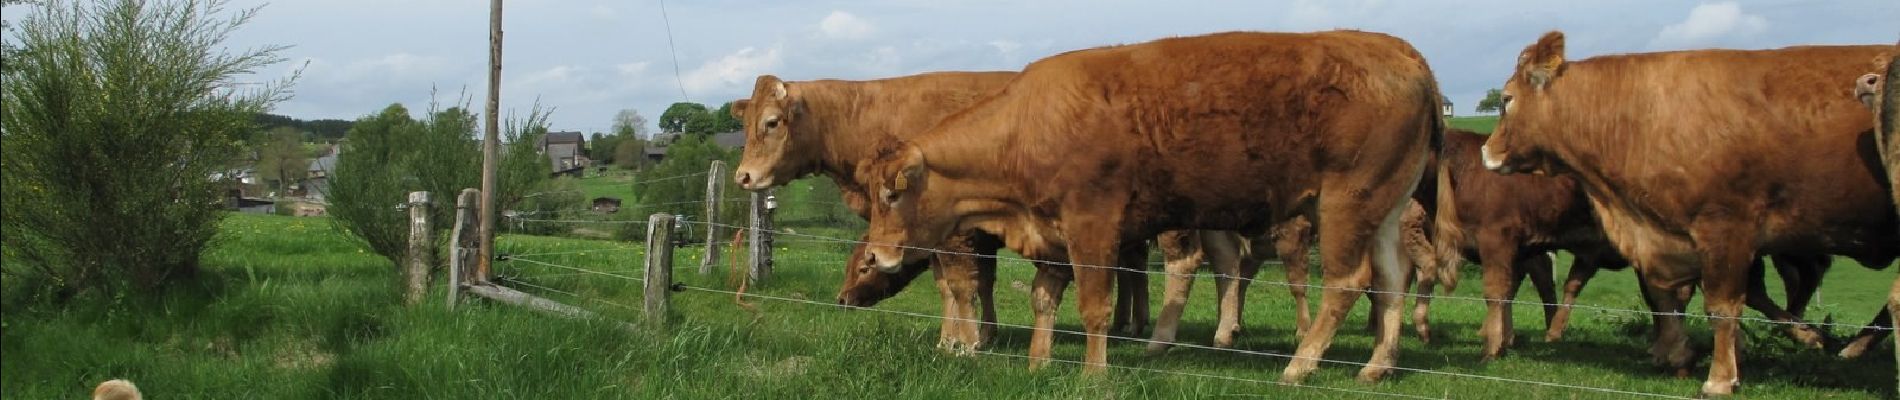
(904,221)
(774,154)
(865,286)
(1514,145)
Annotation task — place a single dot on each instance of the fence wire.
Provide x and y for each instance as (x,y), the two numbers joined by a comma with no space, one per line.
(1403,293)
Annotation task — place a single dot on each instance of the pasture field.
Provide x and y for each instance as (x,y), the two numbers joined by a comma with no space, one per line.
(1480,124)
(288,308)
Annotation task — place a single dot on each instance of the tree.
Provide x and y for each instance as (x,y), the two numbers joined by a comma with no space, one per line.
(678,115)
(629,123)
(280,156)
(1493,101)
(630,153)
(116,115)
(726,122)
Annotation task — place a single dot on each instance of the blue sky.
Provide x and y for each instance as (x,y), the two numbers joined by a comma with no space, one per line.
(588,59)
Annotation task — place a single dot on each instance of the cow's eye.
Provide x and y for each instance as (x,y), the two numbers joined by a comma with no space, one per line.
(771,122)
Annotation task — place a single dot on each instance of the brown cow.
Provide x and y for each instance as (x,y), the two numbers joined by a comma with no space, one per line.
(1877,91)
(827,127)
(1091,149)
(1695,161)
(1508,222)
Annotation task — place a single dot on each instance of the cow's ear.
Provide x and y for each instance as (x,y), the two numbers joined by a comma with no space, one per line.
(1865,88)
(738,108)
(1542,61)
(913,171)
(780,90)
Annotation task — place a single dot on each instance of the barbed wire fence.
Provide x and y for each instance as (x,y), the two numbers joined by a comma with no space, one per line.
(813,224)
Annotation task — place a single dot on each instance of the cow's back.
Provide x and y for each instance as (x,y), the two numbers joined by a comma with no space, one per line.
(1212,127)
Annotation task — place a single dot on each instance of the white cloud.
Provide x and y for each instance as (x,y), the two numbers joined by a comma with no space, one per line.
(1709,24)
(739,68)
(843,25)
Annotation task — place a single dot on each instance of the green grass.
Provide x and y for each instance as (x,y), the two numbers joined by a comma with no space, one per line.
(289,309)
(1480,124)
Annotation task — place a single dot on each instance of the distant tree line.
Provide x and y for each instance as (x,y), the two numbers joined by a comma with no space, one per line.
(319,130)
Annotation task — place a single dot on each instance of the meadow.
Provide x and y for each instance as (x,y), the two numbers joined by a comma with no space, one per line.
(290,308)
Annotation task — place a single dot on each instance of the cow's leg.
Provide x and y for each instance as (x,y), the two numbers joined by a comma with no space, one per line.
(1095,250)
(1342,274)
(1757,298)
(1391,271)
(985,248)
(1249,269)
(1499,257)
(1422,306)
(1290,243)
(1051,281)
(1132,277)
(1726,253)
(1183,254)
(1669,343)
(1582,268)
(958,275)
(1875,331)
(1539,267)
(1223,251)
(1801,278)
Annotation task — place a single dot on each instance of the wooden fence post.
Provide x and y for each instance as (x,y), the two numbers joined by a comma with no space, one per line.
(659,268)
(465,244)
(416,273)
(715,192)
(761,241)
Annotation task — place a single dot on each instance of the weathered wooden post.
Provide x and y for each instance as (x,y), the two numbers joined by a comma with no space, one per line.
(715,192)
(465,244)
(416,272)
(761,241)
(659,268)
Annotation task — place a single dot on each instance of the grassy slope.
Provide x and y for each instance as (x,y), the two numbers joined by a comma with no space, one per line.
(1481,124)
(291,310)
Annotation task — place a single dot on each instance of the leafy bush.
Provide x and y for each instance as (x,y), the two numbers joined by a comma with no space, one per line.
(116,115)
(387,155)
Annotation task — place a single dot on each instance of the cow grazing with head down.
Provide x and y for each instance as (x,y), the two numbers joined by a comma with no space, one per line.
(827,127)
(1089,150)
(1697,161)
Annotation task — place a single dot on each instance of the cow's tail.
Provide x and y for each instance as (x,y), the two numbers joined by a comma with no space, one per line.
(1448,239)
(1434,193)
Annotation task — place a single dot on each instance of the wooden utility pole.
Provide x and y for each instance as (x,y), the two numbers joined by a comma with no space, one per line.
(491,135)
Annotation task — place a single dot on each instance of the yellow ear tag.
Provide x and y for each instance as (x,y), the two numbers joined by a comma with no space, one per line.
(903,182)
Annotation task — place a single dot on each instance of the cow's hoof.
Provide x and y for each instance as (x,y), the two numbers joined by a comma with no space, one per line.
(1718,390)
(1157,349)
(1294,374)
(1225,342)
(1373,373)
(1553,336)
(1855,349)
(1424,335)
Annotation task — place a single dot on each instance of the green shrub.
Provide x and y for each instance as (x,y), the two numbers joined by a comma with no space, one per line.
(677,185)
(387,155)
(116,115)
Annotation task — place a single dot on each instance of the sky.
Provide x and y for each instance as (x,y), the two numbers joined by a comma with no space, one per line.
(588,59)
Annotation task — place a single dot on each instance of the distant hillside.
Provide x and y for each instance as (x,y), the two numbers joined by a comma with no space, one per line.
(1475,124)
